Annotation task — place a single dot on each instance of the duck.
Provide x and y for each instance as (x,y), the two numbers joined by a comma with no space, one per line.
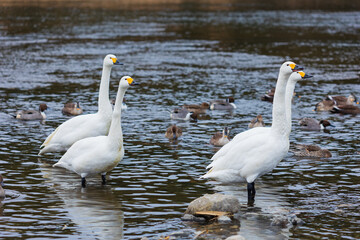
(311,124)
(173,132)
(72,109)
(304,150)
(268,96)
(32,114)
(83,126)
(220,138)
(227,104)
(2,191)
(330,102)
(183,114)
(346,109)
(342,100)
(199,109)
(257,151)
(99,154)
(257,122)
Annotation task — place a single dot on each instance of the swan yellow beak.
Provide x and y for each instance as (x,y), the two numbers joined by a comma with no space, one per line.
(295,67)
(302,74)
(131,81)
(116,62)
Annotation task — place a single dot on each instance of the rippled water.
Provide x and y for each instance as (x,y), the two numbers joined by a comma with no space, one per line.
(182,56)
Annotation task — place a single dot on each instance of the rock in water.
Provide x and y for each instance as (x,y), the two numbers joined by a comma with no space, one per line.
(214,202)
(235,237)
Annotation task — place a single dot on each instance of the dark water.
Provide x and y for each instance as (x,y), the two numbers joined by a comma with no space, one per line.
(182,55)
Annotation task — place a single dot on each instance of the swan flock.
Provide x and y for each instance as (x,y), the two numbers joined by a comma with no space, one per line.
(93,143)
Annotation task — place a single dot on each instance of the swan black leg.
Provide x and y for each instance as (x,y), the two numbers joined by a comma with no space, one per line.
(83,182)
(103,177)
(251,192)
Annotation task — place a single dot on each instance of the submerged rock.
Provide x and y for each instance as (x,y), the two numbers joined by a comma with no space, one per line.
(283,221)
(224,219)
(189,217)
(236,237)
(214,202)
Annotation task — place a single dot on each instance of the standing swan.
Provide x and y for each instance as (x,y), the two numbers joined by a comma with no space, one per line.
(84,126)
(257,151)
(99,154)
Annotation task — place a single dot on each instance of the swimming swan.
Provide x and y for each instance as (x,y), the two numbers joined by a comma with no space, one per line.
(94,155)
(257,151)
(84,126)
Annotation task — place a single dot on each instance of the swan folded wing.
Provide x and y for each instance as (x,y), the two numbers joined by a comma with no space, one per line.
(243,136)
(77,128)
(246,160)
(88,156)
(67,127)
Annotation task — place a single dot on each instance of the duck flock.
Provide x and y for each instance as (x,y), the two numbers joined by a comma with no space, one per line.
(93,143)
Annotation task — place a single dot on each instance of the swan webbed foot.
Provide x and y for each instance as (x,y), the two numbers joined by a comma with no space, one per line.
(83,182)
(103,178)
(251,193)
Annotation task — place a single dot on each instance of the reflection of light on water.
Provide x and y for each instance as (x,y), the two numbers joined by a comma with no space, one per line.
(93,209)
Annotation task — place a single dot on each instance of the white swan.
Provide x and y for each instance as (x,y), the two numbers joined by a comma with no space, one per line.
(83,126)
(99,154)
(257,151)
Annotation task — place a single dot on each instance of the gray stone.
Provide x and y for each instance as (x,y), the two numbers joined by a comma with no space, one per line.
(281,221)
(294,220)
(224,219)
(236,237)
(189,217)
(184,233)
(214,202)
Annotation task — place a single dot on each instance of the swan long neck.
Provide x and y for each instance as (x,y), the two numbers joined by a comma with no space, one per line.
(279,125)
(290,87)
(104,102)
(115,132)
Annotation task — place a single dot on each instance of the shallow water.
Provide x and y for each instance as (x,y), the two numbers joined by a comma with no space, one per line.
(180,56)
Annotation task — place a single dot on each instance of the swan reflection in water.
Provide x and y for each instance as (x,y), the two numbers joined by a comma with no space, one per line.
(257,220)
(95,210)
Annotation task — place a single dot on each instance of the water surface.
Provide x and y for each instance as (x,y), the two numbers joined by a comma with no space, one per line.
(180,55)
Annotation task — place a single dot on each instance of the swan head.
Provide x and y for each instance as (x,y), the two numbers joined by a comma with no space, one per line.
(289,67)
(127,81)
(296,76)
(111,60)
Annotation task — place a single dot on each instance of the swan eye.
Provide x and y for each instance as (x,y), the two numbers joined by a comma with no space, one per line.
(287,64)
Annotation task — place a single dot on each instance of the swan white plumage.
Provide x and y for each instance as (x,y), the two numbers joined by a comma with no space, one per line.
(99,154)
(83,126)
(257,151)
